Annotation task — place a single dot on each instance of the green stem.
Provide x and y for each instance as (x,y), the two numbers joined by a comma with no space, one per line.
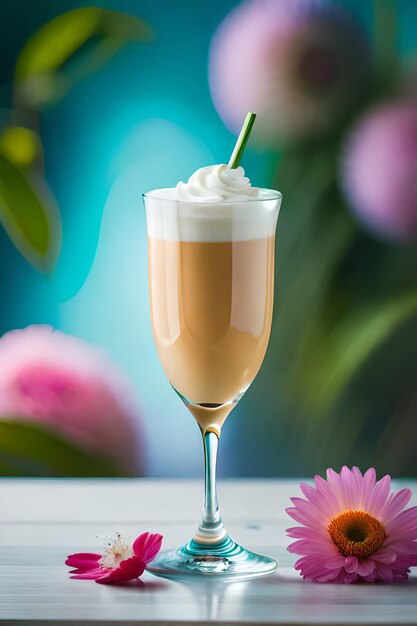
(242,140)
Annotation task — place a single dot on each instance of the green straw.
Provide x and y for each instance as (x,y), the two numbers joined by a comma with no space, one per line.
(242,140)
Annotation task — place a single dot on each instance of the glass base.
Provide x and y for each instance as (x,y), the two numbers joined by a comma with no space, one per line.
(225,560)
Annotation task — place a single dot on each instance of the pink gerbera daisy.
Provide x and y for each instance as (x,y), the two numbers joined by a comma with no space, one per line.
(353,529)
(120,562)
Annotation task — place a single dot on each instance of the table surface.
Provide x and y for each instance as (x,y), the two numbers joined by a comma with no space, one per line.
(41,521)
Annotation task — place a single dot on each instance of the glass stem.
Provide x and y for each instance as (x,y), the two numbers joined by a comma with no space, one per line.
(211,530)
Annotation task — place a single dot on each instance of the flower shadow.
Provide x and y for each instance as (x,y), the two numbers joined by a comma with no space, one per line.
(141,585)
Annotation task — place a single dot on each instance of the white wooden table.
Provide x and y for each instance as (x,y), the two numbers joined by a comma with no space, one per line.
(41,521)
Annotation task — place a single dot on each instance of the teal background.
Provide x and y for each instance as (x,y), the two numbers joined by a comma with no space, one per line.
(144,120)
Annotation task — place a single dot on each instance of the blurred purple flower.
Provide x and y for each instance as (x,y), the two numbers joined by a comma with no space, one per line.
(299,64)
(379,170)
(72,387)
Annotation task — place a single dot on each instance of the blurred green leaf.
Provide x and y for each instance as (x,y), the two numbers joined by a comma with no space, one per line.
(306,297)
(20,145)
(305,177)
(318,233)
(344,349)
(33,450)
(386,42)
(29,215)
(90,33)
(42,89)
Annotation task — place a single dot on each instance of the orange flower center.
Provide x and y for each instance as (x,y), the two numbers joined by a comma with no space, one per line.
(356,533)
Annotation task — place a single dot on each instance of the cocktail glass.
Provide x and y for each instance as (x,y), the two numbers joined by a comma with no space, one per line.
(211,281)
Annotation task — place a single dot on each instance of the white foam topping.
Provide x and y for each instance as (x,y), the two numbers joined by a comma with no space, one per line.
(217,183)
(217,203)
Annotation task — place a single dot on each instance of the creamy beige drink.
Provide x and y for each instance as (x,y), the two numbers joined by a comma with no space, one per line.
(211,273)
(211,305)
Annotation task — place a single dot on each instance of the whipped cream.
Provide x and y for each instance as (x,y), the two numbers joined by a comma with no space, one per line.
(217,204)
(217,183)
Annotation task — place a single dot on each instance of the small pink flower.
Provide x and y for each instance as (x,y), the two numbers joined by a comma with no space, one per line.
(353,529)
(120,562)
(71,387)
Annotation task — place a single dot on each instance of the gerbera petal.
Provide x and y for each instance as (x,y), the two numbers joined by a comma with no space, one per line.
(316,499)
(293,512)
(349,578)
(384,556)
(400,546)
(379,496)
(299,502)
(334,562)
(83,560)
(334,481)
(329,577)
(308,546)
(369,479)
(147,546)
(348,487)
(407,520)
(307,518)
(313,512)
(126,570)
(406,560)
(311,494)
(351,564)
(304,532)
(395,504)
(358,488)
(91,574)
(309,491)
(326,493)
(300,562)
(365,567)
(314,569)
(384,572)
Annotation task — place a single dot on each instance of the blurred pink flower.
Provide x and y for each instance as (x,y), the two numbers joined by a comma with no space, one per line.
(72,387)
(353,529)
(379,170)
(120,563)
(299,64)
